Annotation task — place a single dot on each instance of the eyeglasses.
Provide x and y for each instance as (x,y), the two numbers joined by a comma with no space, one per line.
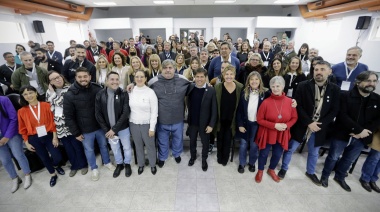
(55,79)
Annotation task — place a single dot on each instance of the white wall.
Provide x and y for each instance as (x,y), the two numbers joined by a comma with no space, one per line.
(194,23)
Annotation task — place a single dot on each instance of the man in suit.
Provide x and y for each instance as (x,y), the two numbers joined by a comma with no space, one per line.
(202,107)
(317,105)
(94,51)
(44,62)
(289,53)
(6,71)
(276,48)
(193,53)
(52,54)
(167,54)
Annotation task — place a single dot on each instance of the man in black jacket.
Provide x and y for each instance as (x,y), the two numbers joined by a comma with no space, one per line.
(43,61)
(6,71)
(358,119)
(167,54)
(317,105)
(202,107)
(70,67)
(112,112)
(79,112)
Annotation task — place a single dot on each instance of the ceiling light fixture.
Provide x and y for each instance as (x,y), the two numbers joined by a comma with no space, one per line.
(224,2)
(105,3)
(286,1)
(163,2)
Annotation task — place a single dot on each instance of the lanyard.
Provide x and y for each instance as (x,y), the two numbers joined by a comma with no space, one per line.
(349,74)
(51,55)
(14,68)
(96,52)
(34,114)
(266,56)
(153,72)
(302,57)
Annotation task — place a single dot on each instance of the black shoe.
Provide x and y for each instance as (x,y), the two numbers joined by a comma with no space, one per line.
(374,187)
(313,178)
(160,163)
(281,174)
(191,162)
(141,170)
(219,161)
(241,169)
(204,165)
(118,169)
(153,170)
(324,181)
(343,184)
(60,170)
(53,180)
(178,159)
(210,148)
(128,170)
(365,185)
(251,168)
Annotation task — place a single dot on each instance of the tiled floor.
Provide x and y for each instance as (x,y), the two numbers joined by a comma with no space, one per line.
(178,187)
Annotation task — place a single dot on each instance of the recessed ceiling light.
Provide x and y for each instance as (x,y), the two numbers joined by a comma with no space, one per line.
(286,1)
(163,2)
(105,3)
(224,2)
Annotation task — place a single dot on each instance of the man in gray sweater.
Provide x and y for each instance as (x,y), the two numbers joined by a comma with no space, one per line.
(171,89)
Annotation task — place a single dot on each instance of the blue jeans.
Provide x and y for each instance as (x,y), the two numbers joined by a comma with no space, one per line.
(350,153)
(75,152)
(15,145)
(163,133)
(253,150)
(125,139)
(43,146)
(88,144)
(371,167)
(312,156)
(276,155)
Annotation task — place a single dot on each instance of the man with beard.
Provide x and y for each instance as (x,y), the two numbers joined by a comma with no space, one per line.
(94,50)
(358,119)
(276,48)
(347,71)
(73,43)
(44,62)
(317,105)
(80,61)
(7,70)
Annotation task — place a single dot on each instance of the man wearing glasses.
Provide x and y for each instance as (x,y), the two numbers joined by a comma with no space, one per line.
(6,71)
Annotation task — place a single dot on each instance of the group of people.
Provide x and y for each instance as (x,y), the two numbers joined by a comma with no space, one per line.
(271,98)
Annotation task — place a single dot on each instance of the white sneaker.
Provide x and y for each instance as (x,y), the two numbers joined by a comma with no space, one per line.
(110,166)
(28,181)
(15,184)
(95,175)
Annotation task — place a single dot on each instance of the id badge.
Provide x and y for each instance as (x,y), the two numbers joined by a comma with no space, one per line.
(345,85)
(33,83)
(290,92)
(41,131)
(266,63)
(58,111)
(96,58)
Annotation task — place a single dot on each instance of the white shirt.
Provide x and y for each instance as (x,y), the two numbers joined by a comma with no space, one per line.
(144,106)
(253,102)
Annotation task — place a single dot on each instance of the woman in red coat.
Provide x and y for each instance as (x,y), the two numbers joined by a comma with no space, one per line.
(275,118)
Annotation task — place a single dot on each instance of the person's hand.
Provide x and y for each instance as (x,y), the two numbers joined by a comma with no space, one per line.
(11,86)
(294,103)
(280,126)
(151,133)
(55,142)
(130,87)
(110,134)
(208,129)
(80,138)
(355,136)
(242,129)
(3,141)
(314,126)
(51,89)
(29,147)
(364,133)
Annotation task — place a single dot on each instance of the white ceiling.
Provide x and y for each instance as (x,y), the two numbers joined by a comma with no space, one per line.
(90,3)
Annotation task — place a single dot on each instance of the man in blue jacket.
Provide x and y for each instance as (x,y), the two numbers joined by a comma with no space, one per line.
(225,55)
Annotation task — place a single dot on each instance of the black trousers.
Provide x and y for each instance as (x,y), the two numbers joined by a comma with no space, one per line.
(205,139)
(224,137)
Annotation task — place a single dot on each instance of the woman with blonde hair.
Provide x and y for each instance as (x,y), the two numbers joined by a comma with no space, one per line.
(180,63)
(102,69)
(154,67)
(136,64)
(254,63)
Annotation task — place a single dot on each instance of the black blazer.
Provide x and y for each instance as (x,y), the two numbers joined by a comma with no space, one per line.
(350,111)
(163,57)
(6,74)
(305,108)
(209,109)
(71,66)
(294,84)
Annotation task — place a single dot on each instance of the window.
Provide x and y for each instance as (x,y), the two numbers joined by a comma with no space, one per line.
(15,32)
(375,30)
(68,31)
